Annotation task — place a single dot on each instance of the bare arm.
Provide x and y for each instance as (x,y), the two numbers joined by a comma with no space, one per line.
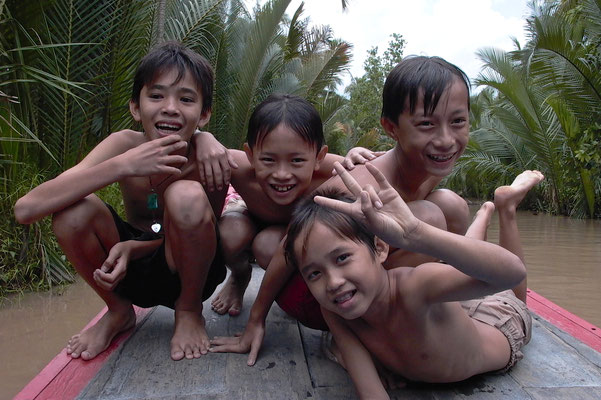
(114,268)
(214,161)
(115,158)
(276,276)
(483,267)
(357,360)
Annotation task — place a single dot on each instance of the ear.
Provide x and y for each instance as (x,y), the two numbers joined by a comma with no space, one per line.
(321,155)
(134,109)
(381,249)
(249,153)
(204,119)
(388,126)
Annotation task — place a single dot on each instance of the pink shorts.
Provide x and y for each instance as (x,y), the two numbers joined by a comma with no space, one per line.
(298,302)
(508,314)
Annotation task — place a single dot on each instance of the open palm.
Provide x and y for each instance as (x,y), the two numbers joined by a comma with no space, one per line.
(384,211)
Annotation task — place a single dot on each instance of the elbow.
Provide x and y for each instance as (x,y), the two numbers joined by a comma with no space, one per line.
(23,213)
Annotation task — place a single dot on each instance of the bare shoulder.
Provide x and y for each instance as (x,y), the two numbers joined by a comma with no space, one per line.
(244,174)
(113,145)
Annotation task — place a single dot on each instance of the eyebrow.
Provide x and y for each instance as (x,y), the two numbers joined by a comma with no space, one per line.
(186,90)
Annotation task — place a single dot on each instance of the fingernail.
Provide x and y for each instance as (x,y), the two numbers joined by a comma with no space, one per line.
(378,204)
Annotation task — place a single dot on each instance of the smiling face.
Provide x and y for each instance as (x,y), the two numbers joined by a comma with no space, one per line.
(431,144)
(343,275)
(284,164)
(168,106)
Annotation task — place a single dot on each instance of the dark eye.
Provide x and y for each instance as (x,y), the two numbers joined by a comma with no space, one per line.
(425,123)
(298,160)
(459,121)
(266,159)
(155,96)
(341,258)
(311,276)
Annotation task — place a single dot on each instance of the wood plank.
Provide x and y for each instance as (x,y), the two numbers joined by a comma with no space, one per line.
(551,362)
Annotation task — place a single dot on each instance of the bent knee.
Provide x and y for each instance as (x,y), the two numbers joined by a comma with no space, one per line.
(187,205)
(429,213)
(266,244)
(238,232)
(77,218)
(454,208)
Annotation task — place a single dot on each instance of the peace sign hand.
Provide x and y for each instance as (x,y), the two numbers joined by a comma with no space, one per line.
(383,211)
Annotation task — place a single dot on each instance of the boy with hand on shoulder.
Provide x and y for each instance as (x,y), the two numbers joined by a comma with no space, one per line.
(165,253)
(425,109)
(284,158)
(419,322)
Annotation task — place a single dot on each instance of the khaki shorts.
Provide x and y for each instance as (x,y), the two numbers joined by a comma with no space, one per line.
(508,314)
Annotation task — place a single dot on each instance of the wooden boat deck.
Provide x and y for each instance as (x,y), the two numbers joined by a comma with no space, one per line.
(291,365)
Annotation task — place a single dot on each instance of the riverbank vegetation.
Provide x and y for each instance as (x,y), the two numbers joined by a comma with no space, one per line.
(66,69)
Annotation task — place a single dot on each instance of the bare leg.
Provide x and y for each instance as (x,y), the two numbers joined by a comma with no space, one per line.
(266,243)
(85,232)
(454,208)
(239,232)
(507,199)
(189,248)
(479,226)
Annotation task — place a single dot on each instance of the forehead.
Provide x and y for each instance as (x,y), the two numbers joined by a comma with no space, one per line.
(314,242)
(454,98)
(284,139)
(171,77)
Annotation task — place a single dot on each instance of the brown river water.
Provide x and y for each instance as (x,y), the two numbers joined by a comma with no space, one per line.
(563,257)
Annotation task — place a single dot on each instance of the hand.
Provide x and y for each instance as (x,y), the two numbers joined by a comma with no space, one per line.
(114,268)
(214,161)
(155,157)
(383,211)
(250,340)
(358,155)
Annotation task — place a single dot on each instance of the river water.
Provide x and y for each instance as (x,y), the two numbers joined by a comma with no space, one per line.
(563,257)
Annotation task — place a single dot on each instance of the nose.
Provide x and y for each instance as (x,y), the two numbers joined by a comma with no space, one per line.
(334,282)
(170,105)
(282,172)
(444,139)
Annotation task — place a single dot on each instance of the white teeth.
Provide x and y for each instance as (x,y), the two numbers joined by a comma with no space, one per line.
(282,188)
(441,158)
(168,127)
(344,297)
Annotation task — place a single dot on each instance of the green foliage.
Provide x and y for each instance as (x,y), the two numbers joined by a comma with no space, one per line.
(541,110)
(65,82)
(365,97)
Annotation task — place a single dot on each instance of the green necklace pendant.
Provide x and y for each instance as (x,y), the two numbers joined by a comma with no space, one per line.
(152,201)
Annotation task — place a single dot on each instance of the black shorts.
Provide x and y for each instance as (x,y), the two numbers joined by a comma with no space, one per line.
(149,281)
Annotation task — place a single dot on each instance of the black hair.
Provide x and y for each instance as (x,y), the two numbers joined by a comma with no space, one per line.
(307,213)
(415,75)
(175,55)
(293,111)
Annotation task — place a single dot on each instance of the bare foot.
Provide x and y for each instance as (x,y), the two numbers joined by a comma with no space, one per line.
(509,197)
(190,338)
(94,340)
(479,226)
(230,297)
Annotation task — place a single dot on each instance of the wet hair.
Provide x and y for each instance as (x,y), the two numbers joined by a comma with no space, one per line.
(174,55)
(307,213)
(294,112)
(415,75)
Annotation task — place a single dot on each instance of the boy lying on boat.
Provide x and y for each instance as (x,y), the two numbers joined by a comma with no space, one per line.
(420,323)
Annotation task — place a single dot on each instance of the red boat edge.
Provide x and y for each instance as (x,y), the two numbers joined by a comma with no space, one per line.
(65,377)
